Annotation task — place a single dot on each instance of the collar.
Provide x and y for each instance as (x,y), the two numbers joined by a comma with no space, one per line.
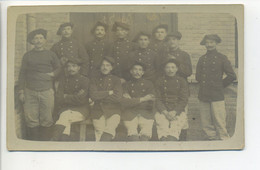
(64,39)
(122,39)
(211,52)
(170,77)
(74,76)
(171,50)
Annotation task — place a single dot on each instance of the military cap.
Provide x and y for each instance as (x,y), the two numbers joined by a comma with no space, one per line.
(141,34)
(170,60)
(176,34)
(164,26)
(36,32)
(137,63)
(120,24)
(99,24)
(214,37)
(64,25)
(110,60)
(74,60)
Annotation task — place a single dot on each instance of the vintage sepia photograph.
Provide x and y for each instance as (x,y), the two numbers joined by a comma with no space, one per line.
(125,77)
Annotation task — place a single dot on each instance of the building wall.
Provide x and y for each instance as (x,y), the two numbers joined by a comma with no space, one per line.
(194,26)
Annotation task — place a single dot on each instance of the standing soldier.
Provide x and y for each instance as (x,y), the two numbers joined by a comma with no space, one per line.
(138,99)
(106,92)
(71,99)
(39,67)
(209,74)
(159,34)
(145,55)
(69,47)
(172,97)
(97,48)
(121,49)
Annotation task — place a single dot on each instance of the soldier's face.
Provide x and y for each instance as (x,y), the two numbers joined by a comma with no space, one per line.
(106,67)
(121,33)
(210,44)
(170,69)
(73,68)
(137,71)
(173,42)
(160,34)
(100,32)
(38,41)
(67,32)
(143,41)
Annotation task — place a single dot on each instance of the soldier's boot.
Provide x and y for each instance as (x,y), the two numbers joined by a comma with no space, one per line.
(133,138)
(65,137)
(33,133)
(144,138)
(164,138)
(57,132)
(46,133)
(171,138)
(106,137)
(183,135)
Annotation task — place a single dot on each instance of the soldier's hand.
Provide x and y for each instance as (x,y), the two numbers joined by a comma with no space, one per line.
(22,97)
(172,115)
(126,95)
(148,97)
(50,74)
(111,92)
(63,60)
(171,56)
(81,92)
(122,81)
(91,102)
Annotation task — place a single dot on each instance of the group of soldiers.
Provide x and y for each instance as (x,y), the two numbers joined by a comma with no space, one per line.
(139,83)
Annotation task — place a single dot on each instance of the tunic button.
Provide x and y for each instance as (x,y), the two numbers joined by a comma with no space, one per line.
(117,47)
(109,79)
(215,56)
(132,84)
(204,62)
(142,84)
(143,90)
(102,49)
(213,62)
(126,51)
(91,61)
(71,42)
(140,53)
(203,82)
(132,91)
(165,88)
(61,43)
(109,84)
(117,52)
(213,69)
(100,79)
(165,81)
(61,48)
(140,59)
(177,81)
(117,63)
(177,54)
(93,49)
(127,46)
(204,75)
(100,84)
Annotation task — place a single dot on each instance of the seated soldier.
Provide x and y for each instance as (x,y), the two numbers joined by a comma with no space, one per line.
(138,97)
(106,92)
(172,93)
(71,100)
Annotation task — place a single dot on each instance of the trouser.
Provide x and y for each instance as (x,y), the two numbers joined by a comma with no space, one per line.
(67,118)
(38,108)
(146,126)
(213,119)
(166,127)
(107,125)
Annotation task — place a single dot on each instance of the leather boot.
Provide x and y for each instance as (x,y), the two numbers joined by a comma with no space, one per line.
(106,137)
(144,138)
(133,138)
(33,133)
(57,132)
(171,138)
(183,135)
(46,133)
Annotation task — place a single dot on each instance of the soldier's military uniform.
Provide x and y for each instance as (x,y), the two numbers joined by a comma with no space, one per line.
(172,94)
(70,48)
(209,74)
(120,51)
(136,113)
(72,101)
(107,109)
(97,49)
(147,57)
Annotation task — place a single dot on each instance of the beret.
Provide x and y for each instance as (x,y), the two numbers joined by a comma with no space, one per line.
(164,26)
(214,37)
(99,24)
(139,35)
(74,60)
(64,25)
(120,24)
(109,59)
(170,60)
(176,34)
(137,63)
(36,32)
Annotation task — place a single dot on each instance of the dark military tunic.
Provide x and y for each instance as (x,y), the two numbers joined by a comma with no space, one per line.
(148,57)
(121,50)
(68,47)
(158,46)
(172,93)
(209,74)
(71,86)
(185,67)
(132,107)
(105,104)
(96,50)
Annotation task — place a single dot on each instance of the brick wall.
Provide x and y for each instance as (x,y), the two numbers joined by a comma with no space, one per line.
(194,26)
